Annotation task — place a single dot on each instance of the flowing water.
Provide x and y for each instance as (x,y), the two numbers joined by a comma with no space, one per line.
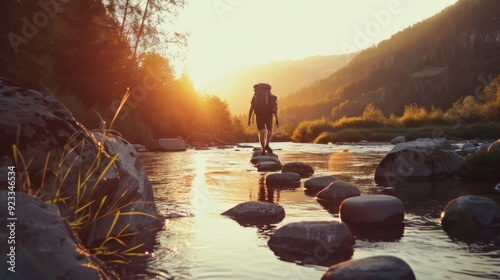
(192,188)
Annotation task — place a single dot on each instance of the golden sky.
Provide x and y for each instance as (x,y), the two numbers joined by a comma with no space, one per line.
(230,34)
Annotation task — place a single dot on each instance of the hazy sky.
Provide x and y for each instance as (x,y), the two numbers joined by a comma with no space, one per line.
(229,34)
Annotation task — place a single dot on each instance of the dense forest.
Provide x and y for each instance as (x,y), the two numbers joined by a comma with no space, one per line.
(89,53)
(432,64)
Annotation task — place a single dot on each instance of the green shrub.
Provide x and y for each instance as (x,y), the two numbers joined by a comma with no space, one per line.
(482,165)
(325,138)
(307,131)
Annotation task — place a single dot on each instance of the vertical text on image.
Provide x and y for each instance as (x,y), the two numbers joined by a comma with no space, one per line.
(11,218)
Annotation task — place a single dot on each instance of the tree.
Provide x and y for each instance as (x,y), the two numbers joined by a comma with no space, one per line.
(148,23)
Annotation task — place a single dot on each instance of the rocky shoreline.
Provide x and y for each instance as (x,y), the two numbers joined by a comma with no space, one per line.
(92,186)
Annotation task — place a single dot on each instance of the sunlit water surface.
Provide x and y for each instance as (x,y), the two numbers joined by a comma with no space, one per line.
(192,188)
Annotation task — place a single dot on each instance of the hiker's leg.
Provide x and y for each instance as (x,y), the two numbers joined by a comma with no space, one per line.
(262,139)
(269,125)
(269,136)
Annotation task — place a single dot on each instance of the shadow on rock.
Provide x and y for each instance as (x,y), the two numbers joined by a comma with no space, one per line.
(332,206)
(322,258)
(390,233)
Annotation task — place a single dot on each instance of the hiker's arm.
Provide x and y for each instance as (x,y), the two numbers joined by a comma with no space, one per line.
(277,121)
(250,113)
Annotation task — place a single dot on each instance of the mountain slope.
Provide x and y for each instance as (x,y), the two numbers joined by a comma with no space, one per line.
(284,76)
(432,63)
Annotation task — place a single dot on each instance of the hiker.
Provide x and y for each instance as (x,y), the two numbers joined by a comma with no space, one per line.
(264,105)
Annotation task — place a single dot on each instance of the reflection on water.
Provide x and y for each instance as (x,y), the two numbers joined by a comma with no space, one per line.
(192,188)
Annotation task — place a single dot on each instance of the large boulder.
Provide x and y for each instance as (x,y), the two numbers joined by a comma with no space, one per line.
(68,165)
(327,240)
(372,210)
(423,158)
(371,268)
(45,246)
(133,186)
(465,215)
(301,168)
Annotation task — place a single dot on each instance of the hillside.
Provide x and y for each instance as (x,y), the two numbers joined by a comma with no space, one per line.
(284,76)
(432,63)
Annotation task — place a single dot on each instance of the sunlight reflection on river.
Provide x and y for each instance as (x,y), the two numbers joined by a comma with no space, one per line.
(192,188)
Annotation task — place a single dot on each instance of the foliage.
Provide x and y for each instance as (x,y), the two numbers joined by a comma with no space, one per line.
(485,106)
(415,115)
(482,165)
(416,122)
(430,64)
(307,131)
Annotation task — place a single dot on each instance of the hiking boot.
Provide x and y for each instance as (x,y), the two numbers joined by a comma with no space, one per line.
(268,149)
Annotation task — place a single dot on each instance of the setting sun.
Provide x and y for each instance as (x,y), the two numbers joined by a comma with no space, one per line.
(226,35)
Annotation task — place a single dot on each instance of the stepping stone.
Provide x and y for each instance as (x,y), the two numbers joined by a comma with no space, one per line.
(338,190)
(259,153)
(283,180)
(256,211)
(268,166)
(317,237)
(377,267)
(372,210)
(317,184)
(258,159)
(301,168)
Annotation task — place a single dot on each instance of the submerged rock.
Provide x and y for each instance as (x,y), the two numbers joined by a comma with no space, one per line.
(371,268)
(372,210)
(45,245)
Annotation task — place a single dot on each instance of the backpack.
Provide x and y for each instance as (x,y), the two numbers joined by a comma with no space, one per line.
(263,101)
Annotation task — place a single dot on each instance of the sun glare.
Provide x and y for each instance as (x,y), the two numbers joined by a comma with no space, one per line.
(226,35)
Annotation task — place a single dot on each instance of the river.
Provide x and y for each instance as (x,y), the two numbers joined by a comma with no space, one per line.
(192,188)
